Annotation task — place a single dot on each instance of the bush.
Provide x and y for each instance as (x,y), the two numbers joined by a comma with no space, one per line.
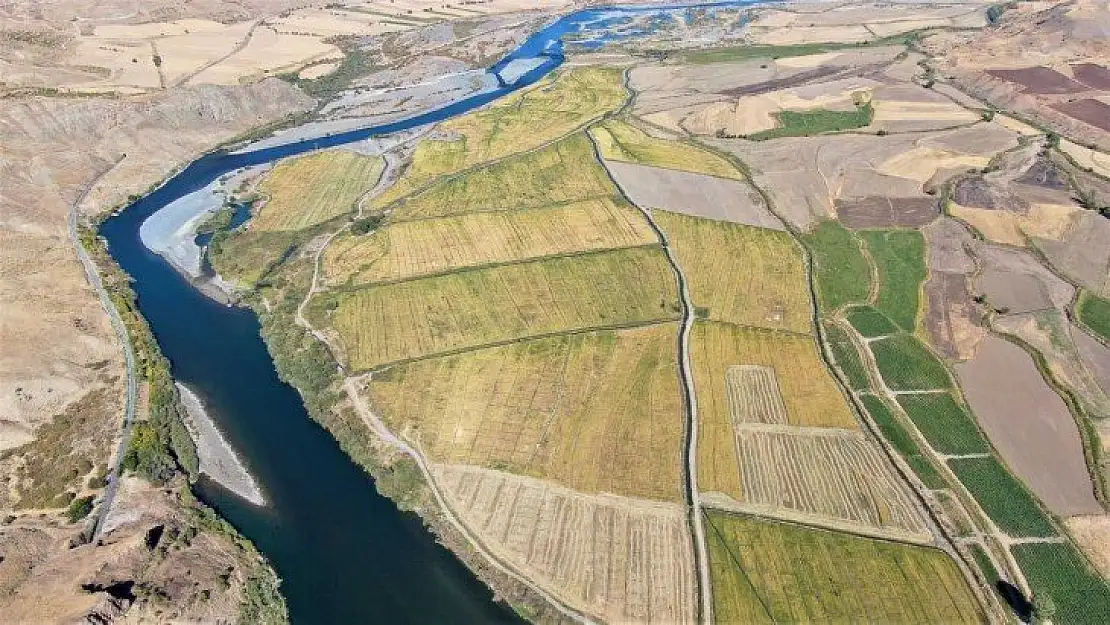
(79,508)
(366,224)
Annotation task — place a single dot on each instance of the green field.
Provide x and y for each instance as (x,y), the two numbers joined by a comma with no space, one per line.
(985,564)
(772,572)
(1080,595)
(900,258)
(905,364)
(841,271)
(847,357)
(1094,312)
(1002,496)
(869,322)
(817,121)
(899,437)
(948,427)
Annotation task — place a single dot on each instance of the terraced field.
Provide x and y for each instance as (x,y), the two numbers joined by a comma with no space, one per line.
(410,249)
(618,140)
(774,572)
(418,318)
(309,190)
(624,560)
(740,274)
(596,412)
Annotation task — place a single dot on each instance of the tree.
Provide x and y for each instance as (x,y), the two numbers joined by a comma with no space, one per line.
(1044,608)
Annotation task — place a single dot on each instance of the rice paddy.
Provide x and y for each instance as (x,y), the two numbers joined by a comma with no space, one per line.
(841,270)
(1003,497)
(905,364)
(900,258)
(1061,572)
(903,442)
(948,426)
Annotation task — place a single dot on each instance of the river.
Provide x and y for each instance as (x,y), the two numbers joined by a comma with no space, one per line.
(345,553)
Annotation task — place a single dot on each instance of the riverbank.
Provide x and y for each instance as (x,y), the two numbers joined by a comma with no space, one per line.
(217,458)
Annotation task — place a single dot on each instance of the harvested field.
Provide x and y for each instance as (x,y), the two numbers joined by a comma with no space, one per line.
(1092,535)
(429,246)
(903,442)
(869,322)
(565,171)
(1093,112)
(773,572)
(312,189)
(620,141)
(418,318)
(525,120)
(623,560)
(1080,595)
(1029,425)
(907,365)
(1002,496)
(946,425)
(846,357)
(693,194)
(1011,261)
(1038,80)
(597,412)
(1098,162)
(824,475)
(1083,252)
(1096,358)
(900,258)
(952,317)
(843,274)
(1093,75)
(740,274)
(948,243)
(883,212)
(1013,292)
(1044,221)
(754,395)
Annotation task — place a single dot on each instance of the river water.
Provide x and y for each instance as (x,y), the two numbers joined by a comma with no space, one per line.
(345,553)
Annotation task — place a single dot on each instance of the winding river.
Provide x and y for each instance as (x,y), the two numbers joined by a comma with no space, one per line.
(345,553)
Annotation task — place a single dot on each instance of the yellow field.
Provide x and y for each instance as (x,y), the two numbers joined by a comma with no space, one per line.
(809,393)
(564,171)
(596,412)
(769,572)
(621,141)
(312,189)
(740,274)
(550,109)
(413,248)
(404,320)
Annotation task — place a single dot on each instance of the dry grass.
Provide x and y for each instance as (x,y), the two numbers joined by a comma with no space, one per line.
(741,274)
(414,248)
(552,108)
(597,412)
(620,559)
(620,141)
(770,572)
(418,318)
(565,171)
(312,189)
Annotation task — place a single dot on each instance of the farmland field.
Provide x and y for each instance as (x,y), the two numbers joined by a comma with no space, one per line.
(597,411)
(841,270)
(948,426)
(869,322)
(900,257)
(625,560)
(404,320)
(565,171)
(815,122)
(899,438)
(621,141)
(907,365)
(771,572)
(309,190)
(1080,595)
(824,474)
(1005,500)
(847,357)
(1094,312)
(525,120)
(428,246)
(740,274)
(248,255)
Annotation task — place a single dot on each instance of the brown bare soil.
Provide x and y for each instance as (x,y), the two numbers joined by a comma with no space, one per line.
(1093,112)
(1013,292)
(1095,355)
(1083,252)
(1038,80)
(625,560)
(881,212)
(953,318)
(948,243)
(1029,425)
(1093,75)
(1013,261)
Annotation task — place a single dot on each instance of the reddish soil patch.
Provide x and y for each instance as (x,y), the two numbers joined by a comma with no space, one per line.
(1094,76)
(1013,291)
(1038,80)
(1092,112)
(952,316)
(1029,425)
(796,80)
(879,211)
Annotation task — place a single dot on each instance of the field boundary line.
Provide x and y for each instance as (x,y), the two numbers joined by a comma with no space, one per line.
(500,211)
(799,430)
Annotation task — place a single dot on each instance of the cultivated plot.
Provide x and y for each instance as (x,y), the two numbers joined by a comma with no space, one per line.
(619,140)
(309,190)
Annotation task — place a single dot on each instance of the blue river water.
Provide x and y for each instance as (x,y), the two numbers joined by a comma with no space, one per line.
(345,553)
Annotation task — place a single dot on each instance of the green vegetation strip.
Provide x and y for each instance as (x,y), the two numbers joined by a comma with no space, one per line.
(1094,312)
(900,438)
(815,122)
(1002,496)
(870,322)
(900,258)
(1058,570)
(985,564)
(847,358)
(948,427)
(841,271)
(740,53)
(905,364)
